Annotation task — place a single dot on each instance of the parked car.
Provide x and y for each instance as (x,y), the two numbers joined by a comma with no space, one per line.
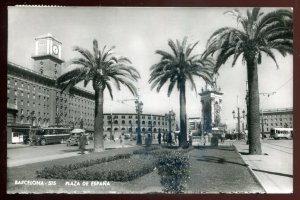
(74,138)
(127,136)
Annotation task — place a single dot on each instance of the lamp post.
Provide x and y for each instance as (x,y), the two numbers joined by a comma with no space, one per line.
(238,117)
(139,108)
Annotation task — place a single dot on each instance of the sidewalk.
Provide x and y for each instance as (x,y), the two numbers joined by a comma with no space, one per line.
(273,170)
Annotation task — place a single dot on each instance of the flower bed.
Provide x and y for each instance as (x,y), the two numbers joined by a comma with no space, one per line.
(60,172)
(119,170)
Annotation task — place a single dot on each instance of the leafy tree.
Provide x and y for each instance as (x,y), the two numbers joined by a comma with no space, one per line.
(259,33)
(179,67)
(103,69)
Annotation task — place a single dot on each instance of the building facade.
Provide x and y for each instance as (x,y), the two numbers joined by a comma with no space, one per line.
(33,98)
(128,122)
(276,118)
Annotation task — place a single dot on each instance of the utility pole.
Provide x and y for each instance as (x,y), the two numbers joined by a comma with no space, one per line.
(238,117)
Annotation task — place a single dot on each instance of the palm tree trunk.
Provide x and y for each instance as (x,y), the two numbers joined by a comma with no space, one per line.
(253,112)
(98,123)
(183,127)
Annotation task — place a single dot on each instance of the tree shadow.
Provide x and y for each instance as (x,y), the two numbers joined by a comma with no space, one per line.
(223,148)
(273,173)
(69,150)
(213,159)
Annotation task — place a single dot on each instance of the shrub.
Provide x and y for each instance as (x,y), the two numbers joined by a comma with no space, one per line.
(60,172)
(173,168)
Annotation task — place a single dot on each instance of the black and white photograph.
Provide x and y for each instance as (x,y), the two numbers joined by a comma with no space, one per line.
(149,100)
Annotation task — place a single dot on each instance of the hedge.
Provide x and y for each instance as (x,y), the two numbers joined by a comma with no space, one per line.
(120,170)
(60,172)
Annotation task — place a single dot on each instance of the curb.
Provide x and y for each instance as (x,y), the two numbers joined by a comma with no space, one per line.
(251,171)
(17,147)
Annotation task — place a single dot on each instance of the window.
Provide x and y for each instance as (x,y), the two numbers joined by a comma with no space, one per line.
(123,117)
(130,117)
(33,96)
(116,122)
(22,102)
(123,121)
(143,117)
(16,83)
(149,117)
(143,122)
(16,92)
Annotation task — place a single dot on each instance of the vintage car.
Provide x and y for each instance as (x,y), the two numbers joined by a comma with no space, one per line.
(74,138)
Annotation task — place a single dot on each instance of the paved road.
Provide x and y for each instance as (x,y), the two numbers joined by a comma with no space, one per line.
(274,169)
(31,154)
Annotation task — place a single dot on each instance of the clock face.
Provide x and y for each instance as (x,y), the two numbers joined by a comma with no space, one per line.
(55,49)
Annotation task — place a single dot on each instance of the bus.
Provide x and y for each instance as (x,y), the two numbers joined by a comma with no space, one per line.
(278,133)
(49,135)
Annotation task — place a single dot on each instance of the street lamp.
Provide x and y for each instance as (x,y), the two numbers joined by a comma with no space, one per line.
(238,117)
(139,110)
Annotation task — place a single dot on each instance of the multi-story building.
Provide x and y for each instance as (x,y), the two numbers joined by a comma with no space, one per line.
(276,118)
(128,122)
(33,98)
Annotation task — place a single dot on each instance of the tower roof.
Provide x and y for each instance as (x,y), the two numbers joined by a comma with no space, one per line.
(47,35)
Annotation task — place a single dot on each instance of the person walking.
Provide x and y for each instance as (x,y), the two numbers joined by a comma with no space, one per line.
(121,138)
(164,137)
(159,138)
(222,137)
(205,139)
(169,139)
(190,139)
(82,142)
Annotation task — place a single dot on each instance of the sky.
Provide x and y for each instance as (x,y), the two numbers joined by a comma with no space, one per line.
(137,33)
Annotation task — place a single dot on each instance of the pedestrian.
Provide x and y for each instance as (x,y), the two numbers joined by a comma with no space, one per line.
(159,138)
(82,142)
(121,140)
(222,137)
(190,139)
(169,139)
(205,139)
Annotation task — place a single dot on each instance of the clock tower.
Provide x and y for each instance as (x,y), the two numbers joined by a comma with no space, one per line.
(47,58)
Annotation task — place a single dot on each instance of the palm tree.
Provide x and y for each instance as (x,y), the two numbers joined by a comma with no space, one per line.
(103,69)
(260,33)
(179,67)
